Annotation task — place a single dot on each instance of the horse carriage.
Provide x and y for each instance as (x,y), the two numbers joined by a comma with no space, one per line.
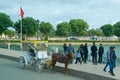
(35,53)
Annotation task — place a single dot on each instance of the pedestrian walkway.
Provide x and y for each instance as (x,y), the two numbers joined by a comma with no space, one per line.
(95,70)
(87,71)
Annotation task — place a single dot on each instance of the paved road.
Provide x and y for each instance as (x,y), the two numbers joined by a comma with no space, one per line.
(9,70)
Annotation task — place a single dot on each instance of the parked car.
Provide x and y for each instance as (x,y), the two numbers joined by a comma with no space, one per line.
(72,38)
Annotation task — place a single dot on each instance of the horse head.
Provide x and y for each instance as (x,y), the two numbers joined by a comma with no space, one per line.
(70,55)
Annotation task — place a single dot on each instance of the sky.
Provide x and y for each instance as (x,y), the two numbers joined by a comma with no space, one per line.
(95,12)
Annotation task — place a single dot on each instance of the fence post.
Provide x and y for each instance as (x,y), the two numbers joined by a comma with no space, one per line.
(8,46)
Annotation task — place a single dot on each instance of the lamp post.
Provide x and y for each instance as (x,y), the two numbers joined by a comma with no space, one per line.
(37,29)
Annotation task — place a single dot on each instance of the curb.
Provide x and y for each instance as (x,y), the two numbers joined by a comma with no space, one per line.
(84,75)
(8,57)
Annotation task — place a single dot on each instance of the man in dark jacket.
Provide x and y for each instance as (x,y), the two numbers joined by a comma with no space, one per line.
(112,61)
(100,53)
(114,57)
(65,47)
(94,53)
(81,49)
(85,53)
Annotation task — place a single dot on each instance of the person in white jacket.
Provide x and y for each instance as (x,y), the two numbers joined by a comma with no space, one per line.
(78,57)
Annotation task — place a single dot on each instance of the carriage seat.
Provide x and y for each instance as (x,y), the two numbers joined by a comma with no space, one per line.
(42,55)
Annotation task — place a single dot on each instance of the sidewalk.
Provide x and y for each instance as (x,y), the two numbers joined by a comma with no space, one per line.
(87,71)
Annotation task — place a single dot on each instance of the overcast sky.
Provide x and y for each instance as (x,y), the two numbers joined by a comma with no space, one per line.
(95,12)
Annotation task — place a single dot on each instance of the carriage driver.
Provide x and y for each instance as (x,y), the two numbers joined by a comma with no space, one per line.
(31,50)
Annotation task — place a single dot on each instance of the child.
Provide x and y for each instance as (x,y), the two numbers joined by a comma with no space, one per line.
(78,56)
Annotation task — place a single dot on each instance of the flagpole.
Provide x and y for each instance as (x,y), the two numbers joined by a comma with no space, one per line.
(21,35)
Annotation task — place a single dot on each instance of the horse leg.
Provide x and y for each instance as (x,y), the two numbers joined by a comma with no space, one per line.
(66,69)
(53,66)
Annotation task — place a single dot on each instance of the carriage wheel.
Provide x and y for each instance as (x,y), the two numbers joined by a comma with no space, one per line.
(21,62)
(39,67)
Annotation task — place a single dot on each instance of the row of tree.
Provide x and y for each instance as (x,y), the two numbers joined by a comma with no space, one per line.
(75,27)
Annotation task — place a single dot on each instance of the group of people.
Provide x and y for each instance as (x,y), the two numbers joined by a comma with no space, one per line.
(68,49)
(81,55)
(95,52)
(83,52)
(110,57)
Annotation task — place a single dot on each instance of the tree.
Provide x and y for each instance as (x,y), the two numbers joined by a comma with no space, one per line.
(10,33)
(78,26)
(63,29)
(29,26)
(107,29)
(46,28)
(5,22)
(117,29)
(52,33)
(95,32)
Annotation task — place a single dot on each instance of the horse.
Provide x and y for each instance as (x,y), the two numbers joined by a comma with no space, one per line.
(57,57)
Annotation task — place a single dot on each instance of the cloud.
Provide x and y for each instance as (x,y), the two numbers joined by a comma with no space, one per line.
(95,12)
(115,1)
(5,5)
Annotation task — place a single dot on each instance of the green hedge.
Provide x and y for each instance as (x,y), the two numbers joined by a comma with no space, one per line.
(13,41)
(52,41)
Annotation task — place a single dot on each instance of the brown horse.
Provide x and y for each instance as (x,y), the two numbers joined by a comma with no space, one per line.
(57,57)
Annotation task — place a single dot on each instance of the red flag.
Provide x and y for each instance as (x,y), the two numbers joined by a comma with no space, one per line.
(21,12)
